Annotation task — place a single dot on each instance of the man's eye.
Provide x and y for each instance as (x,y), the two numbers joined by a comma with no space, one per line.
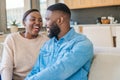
(46,19)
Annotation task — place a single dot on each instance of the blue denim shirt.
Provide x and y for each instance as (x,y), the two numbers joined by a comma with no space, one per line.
(68,58)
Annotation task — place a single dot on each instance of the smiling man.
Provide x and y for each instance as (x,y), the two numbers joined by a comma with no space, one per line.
(67,55)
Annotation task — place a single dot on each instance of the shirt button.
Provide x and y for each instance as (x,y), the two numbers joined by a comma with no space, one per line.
(58,45)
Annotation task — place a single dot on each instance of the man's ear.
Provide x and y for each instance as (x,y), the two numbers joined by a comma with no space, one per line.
(60,20)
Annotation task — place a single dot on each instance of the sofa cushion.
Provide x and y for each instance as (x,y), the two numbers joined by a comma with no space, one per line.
(106,50)
(105,65)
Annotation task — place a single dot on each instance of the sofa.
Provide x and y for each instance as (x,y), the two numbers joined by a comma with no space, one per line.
(105,64)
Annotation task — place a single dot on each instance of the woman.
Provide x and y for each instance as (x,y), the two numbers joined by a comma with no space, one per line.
(21,49)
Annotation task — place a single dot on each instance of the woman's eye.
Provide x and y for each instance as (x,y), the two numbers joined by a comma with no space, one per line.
(32,19)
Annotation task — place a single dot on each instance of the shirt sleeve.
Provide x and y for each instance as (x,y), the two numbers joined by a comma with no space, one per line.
(35,69)
(6,67)
(67,65)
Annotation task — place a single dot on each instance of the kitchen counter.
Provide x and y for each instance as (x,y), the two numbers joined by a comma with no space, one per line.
(78,28)
(97,25)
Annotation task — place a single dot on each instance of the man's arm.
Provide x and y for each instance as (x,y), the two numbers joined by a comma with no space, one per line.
(64,67)
(35,69)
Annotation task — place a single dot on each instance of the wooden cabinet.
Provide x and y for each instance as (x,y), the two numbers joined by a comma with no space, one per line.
(69,3)
(76,4)
(83,3)
(97,2)
(108,2)
(117,2)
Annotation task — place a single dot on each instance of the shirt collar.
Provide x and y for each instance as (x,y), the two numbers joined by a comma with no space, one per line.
(67,36)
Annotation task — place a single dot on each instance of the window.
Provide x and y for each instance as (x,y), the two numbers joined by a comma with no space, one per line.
(14,11)
(43,7)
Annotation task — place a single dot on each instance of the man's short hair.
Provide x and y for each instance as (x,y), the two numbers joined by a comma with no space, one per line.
(60,7)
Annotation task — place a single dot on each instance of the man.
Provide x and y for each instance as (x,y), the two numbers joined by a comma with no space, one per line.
(67,55)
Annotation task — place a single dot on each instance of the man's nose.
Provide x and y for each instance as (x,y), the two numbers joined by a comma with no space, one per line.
(46,25)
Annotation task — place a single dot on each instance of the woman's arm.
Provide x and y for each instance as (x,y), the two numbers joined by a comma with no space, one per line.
(7,60)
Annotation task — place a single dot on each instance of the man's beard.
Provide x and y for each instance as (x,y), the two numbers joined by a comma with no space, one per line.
(54,31)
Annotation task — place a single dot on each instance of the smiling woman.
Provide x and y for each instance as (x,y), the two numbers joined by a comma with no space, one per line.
(9,14)
(14,63)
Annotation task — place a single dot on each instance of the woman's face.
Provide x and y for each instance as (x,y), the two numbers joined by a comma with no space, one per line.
(33,23)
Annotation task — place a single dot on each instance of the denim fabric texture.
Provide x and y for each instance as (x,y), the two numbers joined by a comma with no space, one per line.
(68,58)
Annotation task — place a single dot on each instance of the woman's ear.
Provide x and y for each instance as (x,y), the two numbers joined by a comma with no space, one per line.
(60,20)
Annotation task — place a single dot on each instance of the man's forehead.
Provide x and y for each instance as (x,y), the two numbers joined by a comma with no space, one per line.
(48,13)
